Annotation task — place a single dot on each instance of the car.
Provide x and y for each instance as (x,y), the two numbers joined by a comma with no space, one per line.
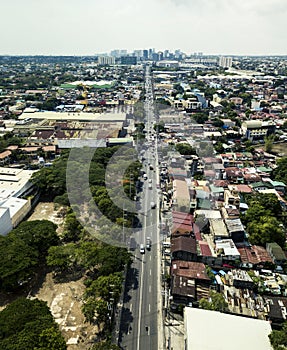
(148,243)
(142,249)
(150,181)
(132,244)
(152,205)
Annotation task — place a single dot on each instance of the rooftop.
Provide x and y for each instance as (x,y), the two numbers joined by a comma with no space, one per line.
(206,330)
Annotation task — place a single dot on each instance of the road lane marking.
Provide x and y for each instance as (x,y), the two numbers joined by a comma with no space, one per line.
(131,307)
(148,307)
(150,272)
(149,289)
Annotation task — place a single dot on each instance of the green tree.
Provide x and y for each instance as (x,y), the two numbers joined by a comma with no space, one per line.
(185,149)
(28,324)
(269,141)
(216,302)
(72,228)
(18,262)
(106,287)
(62,258)
(278,338)
(105,345)
(280,172)
(266,230)
(38,234)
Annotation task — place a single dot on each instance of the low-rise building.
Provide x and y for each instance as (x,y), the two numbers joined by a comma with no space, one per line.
(276,253)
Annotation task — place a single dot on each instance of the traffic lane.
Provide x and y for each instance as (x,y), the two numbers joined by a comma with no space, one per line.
(149,306)
(151,301)
(129,319)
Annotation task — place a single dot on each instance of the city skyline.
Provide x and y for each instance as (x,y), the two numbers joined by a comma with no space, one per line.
(72,28)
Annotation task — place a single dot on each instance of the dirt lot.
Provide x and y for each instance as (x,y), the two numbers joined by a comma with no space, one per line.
(64,299)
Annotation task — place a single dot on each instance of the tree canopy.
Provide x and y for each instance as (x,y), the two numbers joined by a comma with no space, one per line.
(280,173)
(28,324)
(185,149)
(216,302)
(23,249)
(278,338)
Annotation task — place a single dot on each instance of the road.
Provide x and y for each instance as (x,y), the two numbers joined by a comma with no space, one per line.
(141,322)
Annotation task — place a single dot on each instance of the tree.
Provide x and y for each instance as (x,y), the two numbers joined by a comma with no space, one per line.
(269,140)
(278,338)
(28,324)
(200,117)
(266,230)
(72,228)
(38,234)
(62,258)
(112,259)
(105,345)
(185,149)
(216,302)
(106,287)
(280,173)
(18,262)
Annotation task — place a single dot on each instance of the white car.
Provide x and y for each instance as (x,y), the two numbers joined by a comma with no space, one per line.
(142,249)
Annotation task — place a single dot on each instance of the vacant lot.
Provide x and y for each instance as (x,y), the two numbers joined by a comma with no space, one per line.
(64,299)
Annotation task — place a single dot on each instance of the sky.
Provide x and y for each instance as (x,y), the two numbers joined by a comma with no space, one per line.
(87,27)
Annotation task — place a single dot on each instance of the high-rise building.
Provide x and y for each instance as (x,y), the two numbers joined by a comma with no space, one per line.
(145,54)
(138,53)
(225,62)
(129,60)
(106,60)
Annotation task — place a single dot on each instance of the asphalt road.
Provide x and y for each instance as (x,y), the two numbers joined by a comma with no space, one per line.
(141,305)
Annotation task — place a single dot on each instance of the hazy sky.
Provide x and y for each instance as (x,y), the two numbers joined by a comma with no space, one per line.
(84,27)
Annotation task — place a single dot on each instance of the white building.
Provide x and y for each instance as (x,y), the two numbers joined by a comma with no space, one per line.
(205,329)
(225,62)
(5,221)
(106,60)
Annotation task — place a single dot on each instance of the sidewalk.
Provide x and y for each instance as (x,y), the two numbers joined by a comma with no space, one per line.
(174,334)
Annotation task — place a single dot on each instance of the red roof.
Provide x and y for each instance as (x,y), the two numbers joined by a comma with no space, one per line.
(191,269)
(205,249)
(254,255)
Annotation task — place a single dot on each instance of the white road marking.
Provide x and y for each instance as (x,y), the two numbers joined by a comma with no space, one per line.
(131,307)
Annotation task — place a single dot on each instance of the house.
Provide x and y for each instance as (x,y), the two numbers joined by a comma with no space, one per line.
(181,196)
(277,309)
(235,229)
(240,279)
(256,129)
(231,196)
(254,256)
(234,174)
(188,281)
(276,253)
(5,157)
(218,229)
(183,248)
(227,250)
